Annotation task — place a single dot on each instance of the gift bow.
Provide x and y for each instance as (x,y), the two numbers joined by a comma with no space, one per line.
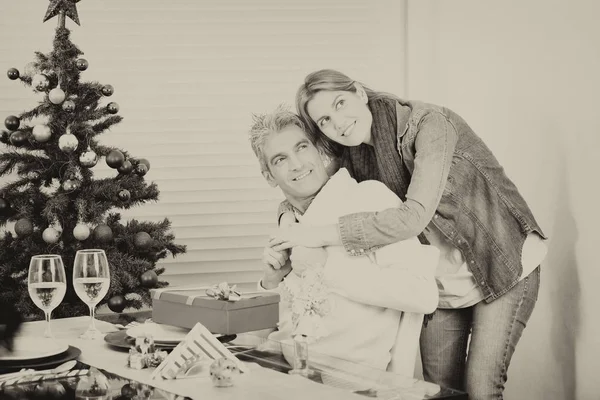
(223,291)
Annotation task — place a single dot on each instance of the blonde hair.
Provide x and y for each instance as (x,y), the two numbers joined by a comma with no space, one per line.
(265,125)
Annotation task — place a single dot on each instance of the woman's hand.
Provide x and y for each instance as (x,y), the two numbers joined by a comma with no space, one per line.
(294,235)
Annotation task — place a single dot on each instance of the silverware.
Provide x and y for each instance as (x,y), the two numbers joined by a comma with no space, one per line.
(66,366)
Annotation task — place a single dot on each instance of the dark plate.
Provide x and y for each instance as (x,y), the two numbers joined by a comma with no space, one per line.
(121,340)
(42,363)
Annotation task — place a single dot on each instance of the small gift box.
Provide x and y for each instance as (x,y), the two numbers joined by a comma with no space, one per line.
(242,312)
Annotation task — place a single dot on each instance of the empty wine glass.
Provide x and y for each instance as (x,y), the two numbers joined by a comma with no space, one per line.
(47,284)
(91,280)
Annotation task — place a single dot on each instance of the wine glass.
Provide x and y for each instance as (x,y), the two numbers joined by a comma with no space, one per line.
(47,284)
(91,280)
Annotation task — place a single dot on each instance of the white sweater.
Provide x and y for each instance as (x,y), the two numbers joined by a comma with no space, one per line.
(368,293)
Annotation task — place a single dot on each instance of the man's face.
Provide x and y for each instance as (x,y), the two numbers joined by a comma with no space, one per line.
(294,163)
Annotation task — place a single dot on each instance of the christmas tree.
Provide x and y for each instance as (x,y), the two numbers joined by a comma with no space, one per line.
(57,204)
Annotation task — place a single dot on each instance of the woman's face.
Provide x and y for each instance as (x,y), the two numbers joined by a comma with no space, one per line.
(342,116)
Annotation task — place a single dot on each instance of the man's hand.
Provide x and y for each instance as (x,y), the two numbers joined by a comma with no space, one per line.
(276,267)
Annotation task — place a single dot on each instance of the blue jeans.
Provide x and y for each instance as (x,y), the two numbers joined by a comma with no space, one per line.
(495,330)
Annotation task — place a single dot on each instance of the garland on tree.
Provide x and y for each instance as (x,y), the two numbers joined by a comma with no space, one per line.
(57,205)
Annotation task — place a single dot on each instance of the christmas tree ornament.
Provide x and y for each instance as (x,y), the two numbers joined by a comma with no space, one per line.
(68,106)
(82,64)
(112,108)
(115,159)
(68,143)
(149,279)
(68,6)
(50,235)
(70,184)
(141,169)
(56,96)
(125,168)
(145,162)
(23,227)
(13,74)
(4,206)
(33,175)
(40,82)
(116,303)
(41,133)
(18,138)
(88,158)
(124,195)
(12,123)
(103,234)
(107,90)
(81,232)
(142,240)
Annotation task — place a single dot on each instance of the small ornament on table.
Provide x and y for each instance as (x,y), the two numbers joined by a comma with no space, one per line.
(81,232)
(144,353)
(82,64)
(18,138)
(117,303)
(13,74)
(103,234)
(223,291)
(40,82)
(125,196)
(125,168)
(223,372)
(107,90)
(149,279)
(142,240)
(88,158)
(56,96)
(68,143)
(41,133)
(23,227)
(115,159)
(51,235)
(69,106)
(12,122)
(112,108)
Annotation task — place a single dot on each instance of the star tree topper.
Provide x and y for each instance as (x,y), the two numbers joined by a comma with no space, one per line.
(62,7)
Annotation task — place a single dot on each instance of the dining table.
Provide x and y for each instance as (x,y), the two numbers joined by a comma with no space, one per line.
(266,374)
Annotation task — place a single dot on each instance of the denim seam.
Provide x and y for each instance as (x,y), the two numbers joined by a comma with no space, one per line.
(512,324)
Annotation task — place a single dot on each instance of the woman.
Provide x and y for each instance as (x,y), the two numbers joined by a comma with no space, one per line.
(456,197)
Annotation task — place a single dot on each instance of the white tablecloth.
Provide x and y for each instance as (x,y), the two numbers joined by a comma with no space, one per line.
(260,383)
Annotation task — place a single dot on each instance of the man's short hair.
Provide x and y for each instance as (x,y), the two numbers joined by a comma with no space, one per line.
(265,125)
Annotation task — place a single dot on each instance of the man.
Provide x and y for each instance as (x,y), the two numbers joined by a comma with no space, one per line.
(369,294)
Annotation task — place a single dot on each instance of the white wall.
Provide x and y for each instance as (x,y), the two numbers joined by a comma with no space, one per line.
(525,76)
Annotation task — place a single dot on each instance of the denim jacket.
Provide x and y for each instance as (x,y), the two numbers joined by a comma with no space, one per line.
(458,188)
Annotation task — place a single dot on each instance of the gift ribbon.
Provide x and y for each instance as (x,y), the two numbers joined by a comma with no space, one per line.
(190,300)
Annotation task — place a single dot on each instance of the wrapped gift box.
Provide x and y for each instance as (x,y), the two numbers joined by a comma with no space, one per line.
(184,308)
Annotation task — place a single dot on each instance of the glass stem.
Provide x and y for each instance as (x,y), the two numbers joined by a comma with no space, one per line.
(48,332)
(92,317)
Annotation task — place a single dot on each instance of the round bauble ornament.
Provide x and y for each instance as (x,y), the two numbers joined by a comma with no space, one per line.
(50,235)
(13,74)
(112,108)
(108,90)
(116,303)
(12,123)
(124,195)
(145,162)
(141,169)
(142,240)
(40,82)
(18,138)
(128,391)
(68,143)
(149,279)
(56,96)
(88,158)
(82,64)
(41,133)
(81,232)
(69,106)
(126,167)
(70,184)
(4,206)
(23,227)
(103,234)
(115,159)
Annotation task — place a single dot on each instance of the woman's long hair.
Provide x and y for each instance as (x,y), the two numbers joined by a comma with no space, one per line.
(331,80)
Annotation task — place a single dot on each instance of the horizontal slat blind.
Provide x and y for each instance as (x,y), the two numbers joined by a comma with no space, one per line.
(187,76)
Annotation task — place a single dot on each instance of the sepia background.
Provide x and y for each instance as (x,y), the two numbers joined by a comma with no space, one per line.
(188,75)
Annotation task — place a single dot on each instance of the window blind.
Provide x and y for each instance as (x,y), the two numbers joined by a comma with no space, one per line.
(188,75)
